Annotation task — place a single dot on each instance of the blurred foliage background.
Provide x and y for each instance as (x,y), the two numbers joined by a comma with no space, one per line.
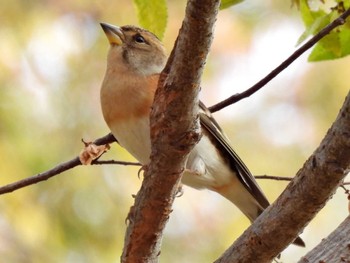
(52,62)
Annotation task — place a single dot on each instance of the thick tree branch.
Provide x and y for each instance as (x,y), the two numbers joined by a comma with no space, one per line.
(333,249)
(174,132)
(301,200)
(239,96)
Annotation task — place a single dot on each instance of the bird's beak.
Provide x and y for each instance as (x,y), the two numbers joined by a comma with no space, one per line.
(114,34)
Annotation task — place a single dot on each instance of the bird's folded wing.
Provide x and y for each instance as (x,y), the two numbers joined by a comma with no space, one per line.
(212,127)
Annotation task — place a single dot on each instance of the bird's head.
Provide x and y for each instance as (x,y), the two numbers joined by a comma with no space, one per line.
(137,48)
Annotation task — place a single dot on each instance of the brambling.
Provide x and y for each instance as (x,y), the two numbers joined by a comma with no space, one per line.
(135,60)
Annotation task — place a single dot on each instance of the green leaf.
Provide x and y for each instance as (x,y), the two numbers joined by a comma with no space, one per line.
(346,3)
(227,3)
(326,49)
(152,15)
(336,43)
(344,38)
(310,16)
(314,27)
(314,20)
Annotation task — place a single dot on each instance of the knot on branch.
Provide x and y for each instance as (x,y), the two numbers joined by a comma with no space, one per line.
(187,141)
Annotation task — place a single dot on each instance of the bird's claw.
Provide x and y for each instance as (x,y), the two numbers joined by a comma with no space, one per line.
(130,217)
(179,191)
(142,169)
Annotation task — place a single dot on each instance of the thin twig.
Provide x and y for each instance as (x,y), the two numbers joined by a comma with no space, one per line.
(62,167)
(347,191)
(101,162)
(239,96)
(109,138)
(277,178)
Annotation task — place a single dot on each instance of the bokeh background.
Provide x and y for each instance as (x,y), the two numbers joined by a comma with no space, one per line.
(52,62)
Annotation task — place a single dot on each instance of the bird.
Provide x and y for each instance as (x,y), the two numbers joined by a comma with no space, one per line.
(135,59)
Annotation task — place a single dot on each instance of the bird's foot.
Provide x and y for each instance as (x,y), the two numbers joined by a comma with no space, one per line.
(130,217)
(179,191)
(142,169)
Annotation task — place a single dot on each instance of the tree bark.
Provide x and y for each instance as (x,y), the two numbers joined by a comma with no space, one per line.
(174,132)
(335,248)
(309,191)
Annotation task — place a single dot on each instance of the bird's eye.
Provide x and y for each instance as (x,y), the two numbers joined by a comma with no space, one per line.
(139,39)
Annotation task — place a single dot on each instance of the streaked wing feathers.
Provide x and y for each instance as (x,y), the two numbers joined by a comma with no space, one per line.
(208,123)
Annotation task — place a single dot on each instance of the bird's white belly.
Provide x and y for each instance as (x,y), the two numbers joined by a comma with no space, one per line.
(134,136)
(205,168)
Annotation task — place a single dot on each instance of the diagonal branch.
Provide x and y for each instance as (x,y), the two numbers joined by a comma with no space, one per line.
(174,132)
(334,248)
(239,96)
(308,192)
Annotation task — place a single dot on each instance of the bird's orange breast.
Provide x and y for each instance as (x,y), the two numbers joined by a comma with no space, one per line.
(127,97)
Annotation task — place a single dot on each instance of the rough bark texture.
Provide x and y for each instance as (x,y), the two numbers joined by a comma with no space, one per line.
(174,132)
(335,248)
(302,199)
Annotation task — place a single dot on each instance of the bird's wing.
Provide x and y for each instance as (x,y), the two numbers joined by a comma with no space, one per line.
(246,178)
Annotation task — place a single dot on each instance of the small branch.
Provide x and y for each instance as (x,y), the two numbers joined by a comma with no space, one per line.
(101,162)
(347,191)
(277,178)
(109,138)
(40,177)
(283,178)
(56,170)
(239,96)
